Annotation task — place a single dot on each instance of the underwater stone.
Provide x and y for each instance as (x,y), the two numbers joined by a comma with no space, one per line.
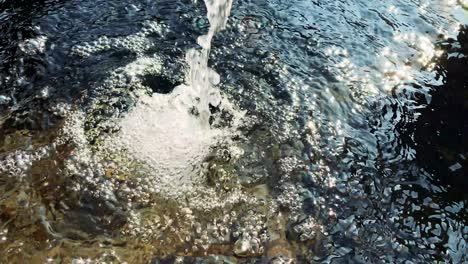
(282,260)
(242,247)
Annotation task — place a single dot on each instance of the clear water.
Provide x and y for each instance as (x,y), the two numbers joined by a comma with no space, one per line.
(290,131)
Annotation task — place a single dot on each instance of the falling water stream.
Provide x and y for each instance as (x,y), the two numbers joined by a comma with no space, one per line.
(201,78)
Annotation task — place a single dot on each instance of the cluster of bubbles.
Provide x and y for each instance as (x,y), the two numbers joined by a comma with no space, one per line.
(137,43)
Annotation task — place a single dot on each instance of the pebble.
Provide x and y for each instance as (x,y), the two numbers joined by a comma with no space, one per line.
(243,247)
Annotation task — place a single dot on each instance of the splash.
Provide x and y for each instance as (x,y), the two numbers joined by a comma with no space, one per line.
(173,133)
(167,137)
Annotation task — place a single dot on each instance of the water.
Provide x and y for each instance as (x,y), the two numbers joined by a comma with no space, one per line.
(306,131)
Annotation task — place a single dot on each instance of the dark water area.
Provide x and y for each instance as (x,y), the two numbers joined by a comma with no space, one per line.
(440,130)
(352,148)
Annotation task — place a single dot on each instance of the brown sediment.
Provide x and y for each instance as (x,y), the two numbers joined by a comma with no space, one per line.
(279,247)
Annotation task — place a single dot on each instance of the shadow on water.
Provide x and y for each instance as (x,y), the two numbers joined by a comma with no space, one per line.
(423,157)
(441,129)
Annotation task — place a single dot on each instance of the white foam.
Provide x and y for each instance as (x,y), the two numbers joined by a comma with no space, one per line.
(161,132)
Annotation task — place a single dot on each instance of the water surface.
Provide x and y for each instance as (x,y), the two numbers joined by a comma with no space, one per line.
(339,138)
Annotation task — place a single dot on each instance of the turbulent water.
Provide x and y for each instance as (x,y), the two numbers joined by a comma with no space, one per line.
(220,131)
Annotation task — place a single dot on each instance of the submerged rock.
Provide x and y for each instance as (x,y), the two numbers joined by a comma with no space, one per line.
(242,247)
